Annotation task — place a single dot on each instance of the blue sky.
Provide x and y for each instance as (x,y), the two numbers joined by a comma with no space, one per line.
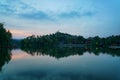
(77,17)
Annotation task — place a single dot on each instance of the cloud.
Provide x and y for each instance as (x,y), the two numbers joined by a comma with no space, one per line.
(89,13)
(76,14)
(69,14)
(42,16)
(35,15)
(5,9)
(23,10)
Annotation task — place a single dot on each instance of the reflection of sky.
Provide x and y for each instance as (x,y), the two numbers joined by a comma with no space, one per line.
(18,54)
(83,17)
(85,67)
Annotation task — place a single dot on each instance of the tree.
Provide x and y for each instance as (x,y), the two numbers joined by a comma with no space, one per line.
(5,36)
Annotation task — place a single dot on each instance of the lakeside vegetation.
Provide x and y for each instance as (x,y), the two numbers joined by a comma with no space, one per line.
(57,39)
(61,45)
(64,39)
(57,45)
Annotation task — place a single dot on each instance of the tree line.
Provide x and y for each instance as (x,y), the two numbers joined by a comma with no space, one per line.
(56,39)
(59,38)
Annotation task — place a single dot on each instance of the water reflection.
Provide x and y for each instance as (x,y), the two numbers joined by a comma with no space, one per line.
(61,64)
(19,54)
(67,51)
(5,57)
(85,67)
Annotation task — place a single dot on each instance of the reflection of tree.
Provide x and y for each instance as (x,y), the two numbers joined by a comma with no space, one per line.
(55,52)
(66,51)
(100,50)
(5,56)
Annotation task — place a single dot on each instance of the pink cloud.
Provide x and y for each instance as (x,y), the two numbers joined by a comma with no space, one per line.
(20,33)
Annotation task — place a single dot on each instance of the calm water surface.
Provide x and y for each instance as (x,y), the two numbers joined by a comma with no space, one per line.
(24,66)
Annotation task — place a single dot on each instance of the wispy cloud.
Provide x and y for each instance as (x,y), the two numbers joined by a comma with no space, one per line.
(23,10)
(38,15)
(4,9)
(76,14)
(46,16)
(69,14)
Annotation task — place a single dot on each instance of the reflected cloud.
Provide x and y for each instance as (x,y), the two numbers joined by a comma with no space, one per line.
(18,54)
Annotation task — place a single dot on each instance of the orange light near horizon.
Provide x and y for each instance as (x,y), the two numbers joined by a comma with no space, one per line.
(20,33)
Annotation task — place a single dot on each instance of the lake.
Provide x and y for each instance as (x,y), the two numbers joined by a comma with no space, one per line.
(40,65)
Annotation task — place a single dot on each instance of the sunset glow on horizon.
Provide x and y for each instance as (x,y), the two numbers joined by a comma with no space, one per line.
(20,33)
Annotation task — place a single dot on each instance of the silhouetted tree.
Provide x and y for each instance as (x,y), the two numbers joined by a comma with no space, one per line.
(5,36)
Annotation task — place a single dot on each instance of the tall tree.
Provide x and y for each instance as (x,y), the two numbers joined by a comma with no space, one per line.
(5,36)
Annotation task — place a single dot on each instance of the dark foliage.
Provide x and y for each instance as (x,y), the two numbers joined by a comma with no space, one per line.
(5,37)
(5,57)
(59,38)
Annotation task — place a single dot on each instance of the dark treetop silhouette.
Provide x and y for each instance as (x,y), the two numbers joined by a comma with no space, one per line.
(5,37)
(58,52)
(64,39)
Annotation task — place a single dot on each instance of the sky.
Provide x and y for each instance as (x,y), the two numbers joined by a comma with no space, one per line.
(77,17)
